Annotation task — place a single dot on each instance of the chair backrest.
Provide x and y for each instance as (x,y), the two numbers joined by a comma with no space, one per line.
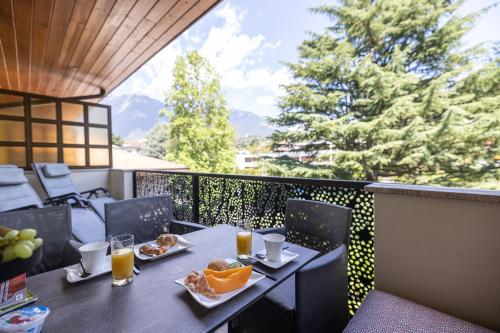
(53,225)
(87,226)
(145,218)
(55,178)
(317,225)
(15,191)
(321,289)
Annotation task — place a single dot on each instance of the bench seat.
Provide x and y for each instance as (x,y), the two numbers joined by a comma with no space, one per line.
(382,312)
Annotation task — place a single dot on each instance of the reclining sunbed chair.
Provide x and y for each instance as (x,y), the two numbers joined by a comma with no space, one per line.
(16,193)
(56,180)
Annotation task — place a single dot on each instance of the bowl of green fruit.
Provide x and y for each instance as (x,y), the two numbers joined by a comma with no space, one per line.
(20,250)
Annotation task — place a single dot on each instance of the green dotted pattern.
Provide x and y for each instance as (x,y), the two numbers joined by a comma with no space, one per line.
(225,200)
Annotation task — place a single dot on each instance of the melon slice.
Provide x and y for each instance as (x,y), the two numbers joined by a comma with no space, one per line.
(221,274)
(232,282)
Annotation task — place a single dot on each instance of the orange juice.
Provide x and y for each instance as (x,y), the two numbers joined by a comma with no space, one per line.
(244,243)
(122,263)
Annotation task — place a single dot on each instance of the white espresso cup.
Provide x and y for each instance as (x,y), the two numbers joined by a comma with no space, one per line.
(94,256)
(274,244)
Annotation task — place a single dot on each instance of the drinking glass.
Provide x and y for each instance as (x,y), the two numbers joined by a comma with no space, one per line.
(244,239)
(122,259)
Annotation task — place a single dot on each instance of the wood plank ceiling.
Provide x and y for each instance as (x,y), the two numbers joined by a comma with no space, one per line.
(68,48)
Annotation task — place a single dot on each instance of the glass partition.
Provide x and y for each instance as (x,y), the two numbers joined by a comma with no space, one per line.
(74,156)
(44,133)
(45,154)
(13,155)
(99,156)
(12,131)
(98,115)
(11,105)
(72,112)
(43,109)
(73,134)
(36,128)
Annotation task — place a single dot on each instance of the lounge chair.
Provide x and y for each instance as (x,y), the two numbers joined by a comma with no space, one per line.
(56,181)
(16,194)
(15,191)
(53,225)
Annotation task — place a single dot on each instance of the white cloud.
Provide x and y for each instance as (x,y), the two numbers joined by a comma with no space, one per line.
(266,101)
(236,56)
(157,73)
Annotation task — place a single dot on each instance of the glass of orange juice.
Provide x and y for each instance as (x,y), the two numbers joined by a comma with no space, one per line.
(122,259)
(244,239)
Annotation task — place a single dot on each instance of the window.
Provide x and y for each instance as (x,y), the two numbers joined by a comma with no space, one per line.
(48,129)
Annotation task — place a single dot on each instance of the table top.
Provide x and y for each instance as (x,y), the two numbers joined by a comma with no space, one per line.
(153,302)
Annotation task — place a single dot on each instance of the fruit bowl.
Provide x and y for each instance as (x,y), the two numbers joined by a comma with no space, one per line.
(19,266)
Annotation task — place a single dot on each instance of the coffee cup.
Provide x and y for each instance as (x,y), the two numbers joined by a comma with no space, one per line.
(274,244)
(94,256)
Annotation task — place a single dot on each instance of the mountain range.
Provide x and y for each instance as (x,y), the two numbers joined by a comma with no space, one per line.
(135,115)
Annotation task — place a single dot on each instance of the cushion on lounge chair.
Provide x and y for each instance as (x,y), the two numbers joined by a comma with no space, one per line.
(383,312)
(18,196)
(87,227)
(282,298)
(54,185)
(56,170)
(98,205)
(12,176)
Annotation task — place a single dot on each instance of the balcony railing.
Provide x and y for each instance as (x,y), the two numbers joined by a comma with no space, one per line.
(212,199)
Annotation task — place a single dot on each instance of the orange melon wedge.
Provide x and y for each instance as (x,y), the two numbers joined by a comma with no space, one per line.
(230,283)
(221,274)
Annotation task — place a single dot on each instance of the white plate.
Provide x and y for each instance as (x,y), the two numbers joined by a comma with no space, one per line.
(209,302)
(286,257)
(73,272)
(181,245)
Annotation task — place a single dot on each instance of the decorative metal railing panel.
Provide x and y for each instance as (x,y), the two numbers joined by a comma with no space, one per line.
(212,199)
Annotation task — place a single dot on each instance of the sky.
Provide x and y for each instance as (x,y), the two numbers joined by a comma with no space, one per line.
(248,41)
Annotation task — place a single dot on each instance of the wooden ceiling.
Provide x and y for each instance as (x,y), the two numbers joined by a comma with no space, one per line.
(68,48)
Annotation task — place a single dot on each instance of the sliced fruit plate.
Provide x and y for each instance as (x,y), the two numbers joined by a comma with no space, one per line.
(224,282)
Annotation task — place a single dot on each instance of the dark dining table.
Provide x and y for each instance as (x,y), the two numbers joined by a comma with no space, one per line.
(153,302)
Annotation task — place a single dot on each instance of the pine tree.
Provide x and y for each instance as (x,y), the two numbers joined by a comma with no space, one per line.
(117,140)
(199,133)
(389,90)
(156,141)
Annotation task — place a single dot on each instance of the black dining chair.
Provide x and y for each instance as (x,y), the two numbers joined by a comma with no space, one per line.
(145,218)
(315,298)
(53,225)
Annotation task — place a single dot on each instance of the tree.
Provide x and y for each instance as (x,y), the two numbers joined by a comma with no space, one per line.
(117,140)
(156,141)
(390,89)
(199,133)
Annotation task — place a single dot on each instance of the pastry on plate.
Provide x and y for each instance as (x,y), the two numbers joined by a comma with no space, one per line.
(153,250)
(166,240)
(218,265)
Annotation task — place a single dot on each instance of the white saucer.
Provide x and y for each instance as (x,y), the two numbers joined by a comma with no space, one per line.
(286,257)
(73,272)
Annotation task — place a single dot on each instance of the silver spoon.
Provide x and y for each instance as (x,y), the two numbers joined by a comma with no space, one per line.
(263,256)
(84,273)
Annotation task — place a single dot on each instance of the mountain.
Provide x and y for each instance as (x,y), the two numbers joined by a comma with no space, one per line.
(249,124)
(134,115)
